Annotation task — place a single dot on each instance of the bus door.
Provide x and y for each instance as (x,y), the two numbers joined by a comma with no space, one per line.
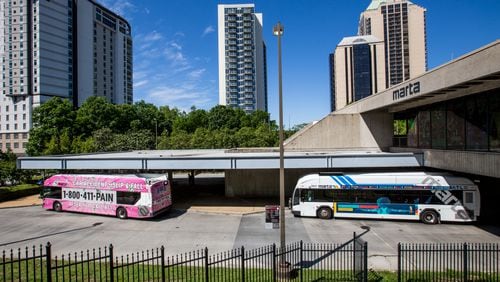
(469,203)
(308,204)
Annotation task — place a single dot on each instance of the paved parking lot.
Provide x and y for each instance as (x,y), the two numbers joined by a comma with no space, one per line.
(181,231)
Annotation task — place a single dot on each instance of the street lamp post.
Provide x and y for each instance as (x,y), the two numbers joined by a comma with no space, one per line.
(284,266)
(156,134)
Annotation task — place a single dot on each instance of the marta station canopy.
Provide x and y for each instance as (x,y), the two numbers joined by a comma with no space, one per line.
(215,159)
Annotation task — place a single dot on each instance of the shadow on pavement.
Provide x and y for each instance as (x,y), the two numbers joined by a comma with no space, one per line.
(51,234)
(207,194)
(495,230)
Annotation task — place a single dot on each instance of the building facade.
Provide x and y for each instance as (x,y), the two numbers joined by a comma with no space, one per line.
(357,70)
(449,115)
(401,25)
(58,48)
(242,58)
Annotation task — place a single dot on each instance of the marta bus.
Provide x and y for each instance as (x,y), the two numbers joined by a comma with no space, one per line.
(431,198)
(134,196)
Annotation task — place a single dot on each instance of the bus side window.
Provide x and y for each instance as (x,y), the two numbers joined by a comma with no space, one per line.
(52,192)
(127,198)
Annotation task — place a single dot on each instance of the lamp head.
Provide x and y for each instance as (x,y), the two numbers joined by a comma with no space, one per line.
(278,29)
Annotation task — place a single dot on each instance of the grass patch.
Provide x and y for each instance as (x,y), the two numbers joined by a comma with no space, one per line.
(35,270)
(8,193)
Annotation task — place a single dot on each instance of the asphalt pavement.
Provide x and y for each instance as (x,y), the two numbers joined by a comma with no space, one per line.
(184,230)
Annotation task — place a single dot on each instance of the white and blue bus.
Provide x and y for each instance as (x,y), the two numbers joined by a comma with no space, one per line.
(431,198)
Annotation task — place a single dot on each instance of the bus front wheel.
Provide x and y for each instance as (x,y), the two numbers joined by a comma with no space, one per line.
(324,213)
(57,206)
(429,217)
(121,213)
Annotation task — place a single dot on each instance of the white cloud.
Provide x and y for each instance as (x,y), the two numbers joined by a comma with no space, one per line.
(196,74)
(140,83)
(165,74)
(153,36)
(176,46)
(209,29)
(120,7)
(173,53)
(182,96)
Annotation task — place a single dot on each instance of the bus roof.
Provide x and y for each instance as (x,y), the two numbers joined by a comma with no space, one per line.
(383,179)
(138,183)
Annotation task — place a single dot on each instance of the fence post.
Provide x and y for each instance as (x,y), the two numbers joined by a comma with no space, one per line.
(365,258)
(48,255)
(274,262)
(111,264)
(465,262)
(301,258)
(242,263)
(206,264)
(399,262)
(354,255)
(162,249)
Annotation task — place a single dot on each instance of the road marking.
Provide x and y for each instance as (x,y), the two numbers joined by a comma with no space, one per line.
(378,236)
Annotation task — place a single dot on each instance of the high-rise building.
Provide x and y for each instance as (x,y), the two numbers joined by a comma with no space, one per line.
(357,70)
(242,58)
(401,25)
(58,48)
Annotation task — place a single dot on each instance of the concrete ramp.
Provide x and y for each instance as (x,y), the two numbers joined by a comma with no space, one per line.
(367,131)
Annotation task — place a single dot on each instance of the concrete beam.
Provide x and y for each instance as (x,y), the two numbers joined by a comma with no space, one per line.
(478,163)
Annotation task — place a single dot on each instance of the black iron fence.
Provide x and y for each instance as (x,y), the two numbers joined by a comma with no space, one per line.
(448,262)
(298,262)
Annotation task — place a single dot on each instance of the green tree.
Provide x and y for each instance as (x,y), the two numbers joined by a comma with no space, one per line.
(133,140)
(8,170)
(179,139)
(50,119)
(121,122)
(146,116)
(191,121)
(246,137)
(102,139)
(266,136)
(224,117)
(203,138)
(95,113)
(83,145)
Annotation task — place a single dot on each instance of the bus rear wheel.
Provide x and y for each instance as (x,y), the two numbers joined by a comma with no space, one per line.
(57,206)
(429,217)
(121,213)
(324,213)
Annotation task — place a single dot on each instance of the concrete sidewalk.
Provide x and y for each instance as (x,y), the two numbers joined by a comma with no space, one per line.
(32,200)
(205,203)
(221,205)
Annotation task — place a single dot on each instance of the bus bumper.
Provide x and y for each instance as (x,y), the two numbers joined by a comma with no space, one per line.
(166,209)
(296,213)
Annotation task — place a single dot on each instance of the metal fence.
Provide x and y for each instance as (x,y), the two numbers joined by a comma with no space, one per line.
(298,262)
(448,262)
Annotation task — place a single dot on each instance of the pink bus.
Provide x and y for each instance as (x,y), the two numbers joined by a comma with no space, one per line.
(135,196)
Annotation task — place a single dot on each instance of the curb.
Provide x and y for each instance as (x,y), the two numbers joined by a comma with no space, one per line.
(219,212)
(24,206)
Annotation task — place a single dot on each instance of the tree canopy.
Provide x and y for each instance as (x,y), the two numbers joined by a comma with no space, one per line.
(99,126)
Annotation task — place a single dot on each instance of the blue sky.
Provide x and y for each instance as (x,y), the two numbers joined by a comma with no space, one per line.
(175,46)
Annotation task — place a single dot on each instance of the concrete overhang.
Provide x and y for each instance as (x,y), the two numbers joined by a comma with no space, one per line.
(222,160)
(472,73)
